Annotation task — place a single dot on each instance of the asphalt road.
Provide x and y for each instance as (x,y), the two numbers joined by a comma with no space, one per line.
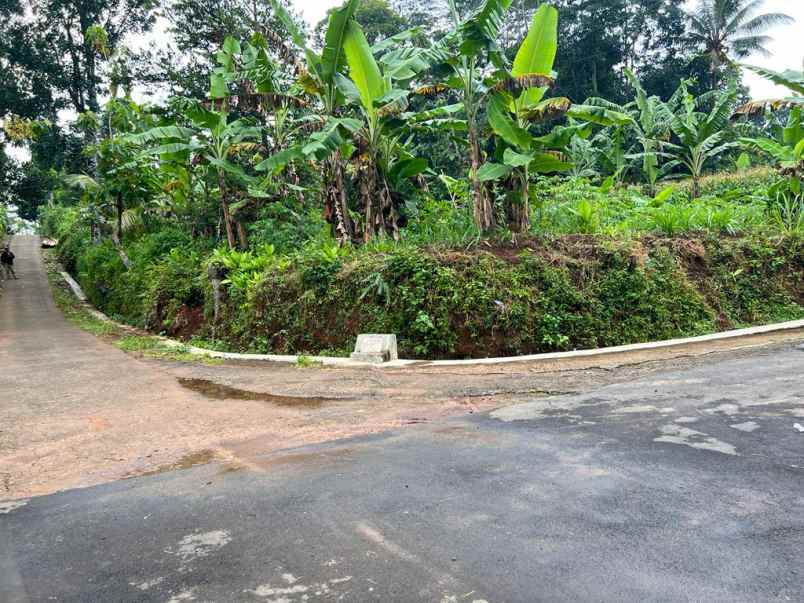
(684,485)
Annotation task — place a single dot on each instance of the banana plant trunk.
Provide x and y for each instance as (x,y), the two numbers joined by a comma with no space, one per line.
(696,186)
(519,209)
(241,235)
(336,207)
(484,215)
(379,212)
(227,216)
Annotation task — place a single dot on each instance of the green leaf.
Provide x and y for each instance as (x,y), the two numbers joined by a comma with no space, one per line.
(493,171)
(771,147)
(404,63)
(443,111)
(277,162)
(503,124)
(599,115)
(537,53)
(230,168)
(363,69)
(514,159)
(606,185)
(664,195)
(396,40)
(289,23)
(347,88)
(172,148)
(793,132)
(159,133)
(793,80)
(407,168)
(798,152)
(482,29)
(217,85)
(545,163)
(332,58)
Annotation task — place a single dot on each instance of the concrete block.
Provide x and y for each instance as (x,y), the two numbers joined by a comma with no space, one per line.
(376,348)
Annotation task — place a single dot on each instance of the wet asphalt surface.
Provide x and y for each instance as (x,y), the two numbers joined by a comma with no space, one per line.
(680,486)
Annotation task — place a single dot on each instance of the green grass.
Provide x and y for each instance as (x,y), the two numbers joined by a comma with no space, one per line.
(149,346)
(78,314)
(303,361)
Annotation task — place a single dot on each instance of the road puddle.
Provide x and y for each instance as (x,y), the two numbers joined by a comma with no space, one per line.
(217,391)
(200,457)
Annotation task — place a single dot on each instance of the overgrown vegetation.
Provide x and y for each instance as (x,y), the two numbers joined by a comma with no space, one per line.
(435,185)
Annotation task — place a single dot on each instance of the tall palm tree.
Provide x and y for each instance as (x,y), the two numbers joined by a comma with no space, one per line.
(733,29)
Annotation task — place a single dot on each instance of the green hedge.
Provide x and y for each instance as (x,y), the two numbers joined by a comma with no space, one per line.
(570,294)
(543,295)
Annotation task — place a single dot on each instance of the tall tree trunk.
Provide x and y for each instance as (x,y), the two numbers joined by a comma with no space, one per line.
(484,216)
(227,216)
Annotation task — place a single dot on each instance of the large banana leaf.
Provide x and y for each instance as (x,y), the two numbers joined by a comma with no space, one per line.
(158,134)
(407,168)
(493,171)
(537,53)
(442,111)
(404,63)
(793,133)
(335,133)
(503,125)
(793,80)
(363,69)
(482,29)
(599,115)
(332,58)
(277,162)
(547,163)
(229,168)
(396,40)
(514,159)
(720,115)
(560,136)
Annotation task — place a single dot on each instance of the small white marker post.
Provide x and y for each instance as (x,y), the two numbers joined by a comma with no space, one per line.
(375,348)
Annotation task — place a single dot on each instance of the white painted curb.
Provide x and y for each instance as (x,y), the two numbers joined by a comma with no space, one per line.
(347,362)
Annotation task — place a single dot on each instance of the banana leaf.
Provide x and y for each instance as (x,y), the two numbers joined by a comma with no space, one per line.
(363,69)
(537,53)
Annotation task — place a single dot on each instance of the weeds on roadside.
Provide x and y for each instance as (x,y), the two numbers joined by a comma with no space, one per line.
(303,361)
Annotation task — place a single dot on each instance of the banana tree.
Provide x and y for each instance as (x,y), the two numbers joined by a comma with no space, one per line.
(459,59)
(210,137)
(318,78)
(701,137)
(381,96)
(516,102)
(650,125)
(788,149)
